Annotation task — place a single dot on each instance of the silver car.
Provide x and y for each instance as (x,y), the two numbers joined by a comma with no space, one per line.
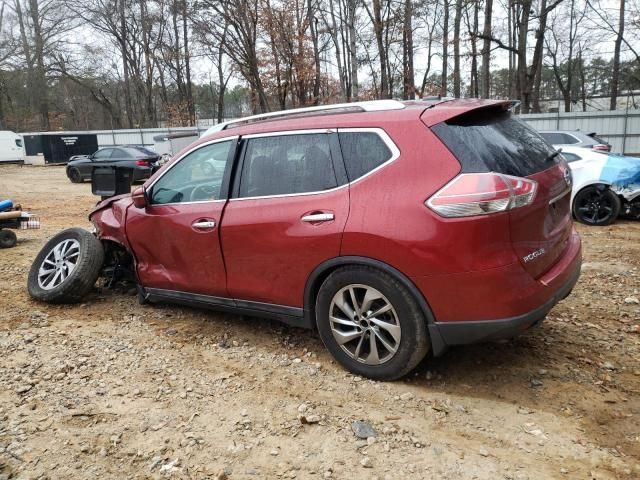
(575,138)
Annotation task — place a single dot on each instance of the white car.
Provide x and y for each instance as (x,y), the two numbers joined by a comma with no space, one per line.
(605,185)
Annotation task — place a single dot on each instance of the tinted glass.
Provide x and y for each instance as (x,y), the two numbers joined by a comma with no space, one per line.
(287,164)
(362,152)
(553,138)
(492,141)
(103,154)
(197,177)
(571,157)
(119,153)
(137,150)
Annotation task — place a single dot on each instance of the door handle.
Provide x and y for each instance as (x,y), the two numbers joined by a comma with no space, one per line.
(318,217)
(204,224)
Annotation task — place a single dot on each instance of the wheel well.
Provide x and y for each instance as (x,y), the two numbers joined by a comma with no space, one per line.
(119,263)
(320,274)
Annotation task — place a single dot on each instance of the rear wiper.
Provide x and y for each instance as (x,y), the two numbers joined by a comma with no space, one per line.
(553,155)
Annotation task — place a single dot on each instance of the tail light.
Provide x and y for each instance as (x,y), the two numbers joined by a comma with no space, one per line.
(142,163)
(601,147)
(472,194)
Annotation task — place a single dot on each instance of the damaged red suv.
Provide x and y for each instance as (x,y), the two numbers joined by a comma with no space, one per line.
(393,228)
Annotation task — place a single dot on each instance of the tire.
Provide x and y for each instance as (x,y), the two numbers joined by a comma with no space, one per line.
(73,244)
(411,339)
(8,239)
(74,175)
(596,205)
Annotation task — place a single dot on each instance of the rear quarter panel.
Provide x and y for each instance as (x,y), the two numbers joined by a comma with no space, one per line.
(389,221)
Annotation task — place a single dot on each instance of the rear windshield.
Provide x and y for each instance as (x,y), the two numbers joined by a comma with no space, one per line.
(491,141)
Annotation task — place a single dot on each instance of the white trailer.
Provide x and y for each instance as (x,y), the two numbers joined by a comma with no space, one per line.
(11,147)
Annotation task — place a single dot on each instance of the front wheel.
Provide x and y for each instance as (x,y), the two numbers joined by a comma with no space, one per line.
(74,175)
(67,267)
(596,205)
(371,323)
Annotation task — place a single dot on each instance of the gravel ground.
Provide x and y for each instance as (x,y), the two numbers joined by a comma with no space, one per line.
(112,389)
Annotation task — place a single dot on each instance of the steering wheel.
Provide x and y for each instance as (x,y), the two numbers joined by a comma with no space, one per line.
(203,193)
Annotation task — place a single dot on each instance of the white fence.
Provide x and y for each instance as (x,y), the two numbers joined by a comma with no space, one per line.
(621,128)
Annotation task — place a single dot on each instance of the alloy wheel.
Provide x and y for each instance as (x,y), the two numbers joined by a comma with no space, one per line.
(595,206)
(365,324)
(58,264)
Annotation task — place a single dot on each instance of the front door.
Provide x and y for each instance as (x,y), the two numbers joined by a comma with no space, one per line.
(175,239)
(287,217)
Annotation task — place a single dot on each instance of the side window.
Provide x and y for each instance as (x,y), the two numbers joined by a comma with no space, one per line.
(103,154)
(363,152)
(571,157)
(279,165)
(569,139)
(197,177)
(554,138)
(119,153)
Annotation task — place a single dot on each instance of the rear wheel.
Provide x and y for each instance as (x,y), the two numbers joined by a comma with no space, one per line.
(67,267)
(371,323)
(74,175)
(596,205)
(8,239)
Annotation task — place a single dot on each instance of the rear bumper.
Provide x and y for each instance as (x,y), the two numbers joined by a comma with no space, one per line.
(461,333)
(540,297)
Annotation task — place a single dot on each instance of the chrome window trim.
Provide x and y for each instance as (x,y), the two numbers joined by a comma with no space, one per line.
(395,154)
(197,147)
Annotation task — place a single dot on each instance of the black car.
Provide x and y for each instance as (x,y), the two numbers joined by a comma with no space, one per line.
(140,159)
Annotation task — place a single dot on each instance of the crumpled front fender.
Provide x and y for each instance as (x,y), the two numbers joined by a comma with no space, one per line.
(109,218)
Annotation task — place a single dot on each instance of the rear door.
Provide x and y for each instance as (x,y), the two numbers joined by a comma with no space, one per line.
(492,140)
(287,216)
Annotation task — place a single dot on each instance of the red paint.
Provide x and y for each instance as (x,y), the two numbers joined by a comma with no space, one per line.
(171,254)
(270,252)
(467,268)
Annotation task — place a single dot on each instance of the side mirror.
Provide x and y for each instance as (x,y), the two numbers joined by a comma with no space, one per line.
(139,197)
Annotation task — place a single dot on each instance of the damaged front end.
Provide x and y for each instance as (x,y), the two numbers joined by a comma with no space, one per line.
(113,185)
(623,175)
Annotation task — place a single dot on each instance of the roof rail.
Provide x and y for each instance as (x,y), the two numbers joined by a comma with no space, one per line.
(367,106)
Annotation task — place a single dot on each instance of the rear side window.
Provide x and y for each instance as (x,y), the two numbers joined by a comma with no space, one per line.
(557,138)
(363,152)
(491,141)
(287,164)
(571,157)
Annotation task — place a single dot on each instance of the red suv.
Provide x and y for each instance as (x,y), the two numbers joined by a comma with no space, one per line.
(393,228)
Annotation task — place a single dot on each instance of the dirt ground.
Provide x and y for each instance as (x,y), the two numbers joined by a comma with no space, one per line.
(113,389)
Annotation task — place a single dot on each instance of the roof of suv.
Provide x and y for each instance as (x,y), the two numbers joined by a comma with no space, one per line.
(358,114)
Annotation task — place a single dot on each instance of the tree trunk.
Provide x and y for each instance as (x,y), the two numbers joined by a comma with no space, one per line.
(475,84)
(125,67)
(316,52)
(407,51)
(615,74)
(445,50)
(486,49)
(187,65)
(378,30)
(40,83)
(353,51)
(456,49)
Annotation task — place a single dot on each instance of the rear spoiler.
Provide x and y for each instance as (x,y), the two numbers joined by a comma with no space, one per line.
(444,111)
